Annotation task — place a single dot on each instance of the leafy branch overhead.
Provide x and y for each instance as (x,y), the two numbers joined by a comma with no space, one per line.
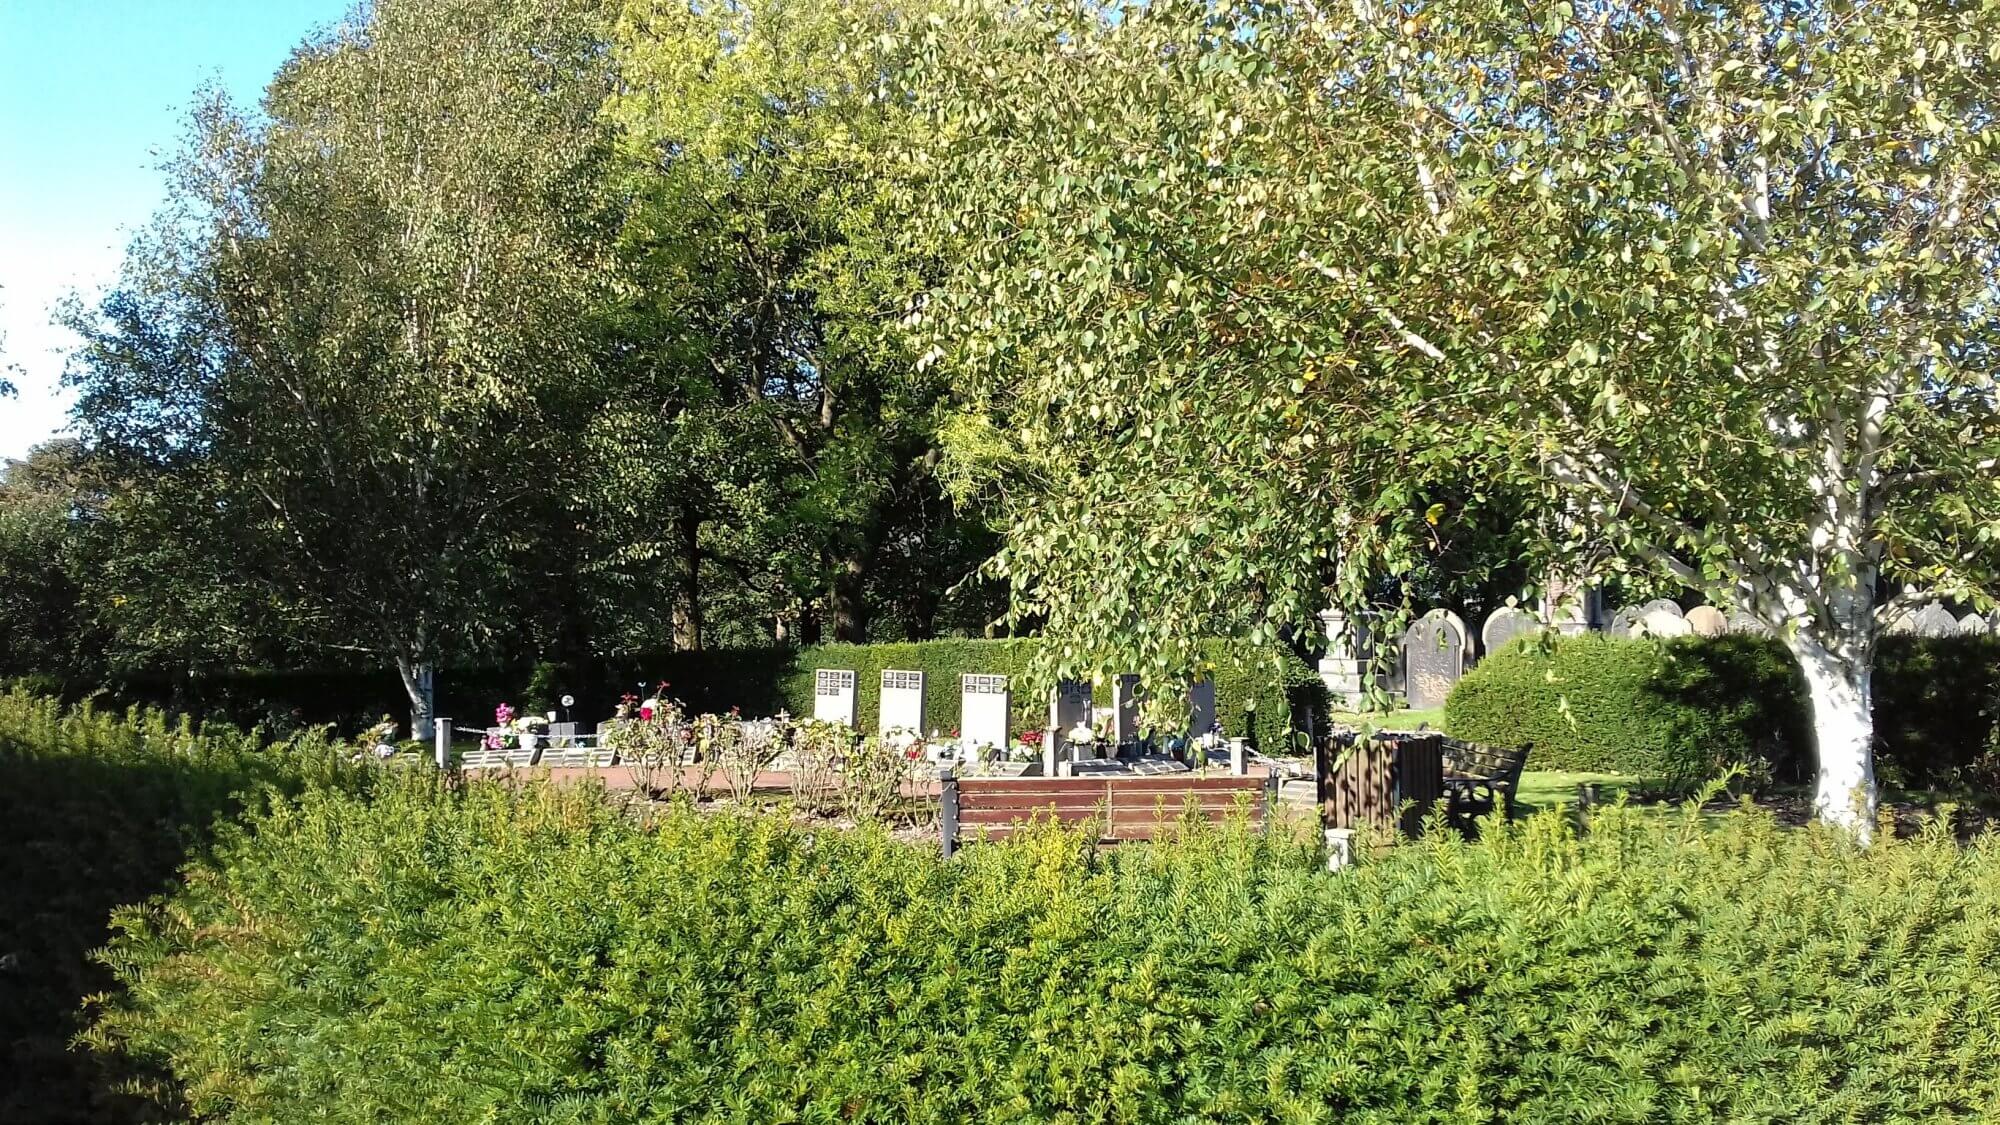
(1714,282)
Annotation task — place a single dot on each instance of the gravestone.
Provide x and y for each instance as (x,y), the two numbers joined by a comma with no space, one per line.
(982,711)
(1505,625)
(1660,623)
(902,702)
(834,697)
(1972,623)
(1124,710)
(1069,704)
(1707,621)
(1624,622)
(1660,605)
(1743,621)
(1201,708)
(1934,620)
(1433,658)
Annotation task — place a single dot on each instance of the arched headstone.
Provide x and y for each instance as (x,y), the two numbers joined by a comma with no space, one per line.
(1743,621)
(1707,621)
(1660,623)
(1623,622)
(1505,625)
(1972,623)
(1660,605)
(1434,654)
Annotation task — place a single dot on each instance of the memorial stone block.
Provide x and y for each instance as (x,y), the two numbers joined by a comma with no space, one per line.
(902,702)
(834,697)
(982,712)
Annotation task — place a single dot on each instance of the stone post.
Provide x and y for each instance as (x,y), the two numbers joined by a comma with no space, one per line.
(441,742)
(1347,666)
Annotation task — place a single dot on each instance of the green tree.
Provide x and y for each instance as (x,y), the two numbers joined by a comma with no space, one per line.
(1714,282)
(48,625)
(791,427)
(334,370)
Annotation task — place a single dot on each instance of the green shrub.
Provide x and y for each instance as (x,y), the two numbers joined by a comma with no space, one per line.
(98,809)
(527,955)
(1683,709)
(1686,708)
(1937,709)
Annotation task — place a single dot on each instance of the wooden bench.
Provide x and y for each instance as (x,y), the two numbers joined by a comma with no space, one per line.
(1125,807)
(1479,777)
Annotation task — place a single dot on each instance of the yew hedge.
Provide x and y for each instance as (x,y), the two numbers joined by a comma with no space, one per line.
(506,954)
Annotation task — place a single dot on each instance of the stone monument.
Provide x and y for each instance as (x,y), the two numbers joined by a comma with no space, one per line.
(834,698)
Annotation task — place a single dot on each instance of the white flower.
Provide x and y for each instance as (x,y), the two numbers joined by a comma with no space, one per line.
(1082,733)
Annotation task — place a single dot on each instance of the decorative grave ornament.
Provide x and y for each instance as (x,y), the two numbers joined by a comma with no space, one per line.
(1707,621)
(902,702)
(982,711)
(1934,620)
(1506,625)
(834,697)
(1069,708)
(1434,658)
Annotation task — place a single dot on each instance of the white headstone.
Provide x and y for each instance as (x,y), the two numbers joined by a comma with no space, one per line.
(1707,621)
(1623,622)
(982,711)
(1505,625)
(1201,708)
(1661,605)
(834,698)
(1069,705)
(1972,623)
(1124,709)
(902,702)
(1660,623)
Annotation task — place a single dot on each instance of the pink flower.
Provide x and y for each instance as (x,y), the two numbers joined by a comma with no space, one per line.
(645,712)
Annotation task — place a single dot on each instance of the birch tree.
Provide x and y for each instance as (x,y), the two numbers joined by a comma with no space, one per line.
(1715,279)
(334,354)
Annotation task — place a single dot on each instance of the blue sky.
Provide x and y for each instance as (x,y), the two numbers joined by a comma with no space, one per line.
(93,95)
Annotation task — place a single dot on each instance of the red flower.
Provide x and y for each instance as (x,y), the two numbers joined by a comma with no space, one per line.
(645,712)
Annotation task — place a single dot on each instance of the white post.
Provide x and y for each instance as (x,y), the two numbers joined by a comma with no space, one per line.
(1239,757)
(441,741)
(1339,848)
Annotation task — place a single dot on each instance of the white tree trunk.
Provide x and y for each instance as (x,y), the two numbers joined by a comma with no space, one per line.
(418,684)
(1842,696)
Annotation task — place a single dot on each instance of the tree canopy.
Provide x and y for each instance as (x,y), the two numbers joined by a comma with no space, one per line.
(1713,281)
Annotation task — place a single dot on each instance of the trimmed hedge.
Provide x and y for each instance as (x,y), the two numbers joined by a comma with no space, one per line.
(1257,690)
(98,809)
(1685,708)
(510,954)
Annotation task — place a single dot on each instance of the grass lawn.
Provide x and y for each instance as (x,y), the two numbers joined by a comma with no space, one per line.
(1541,789)
(1367,721)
